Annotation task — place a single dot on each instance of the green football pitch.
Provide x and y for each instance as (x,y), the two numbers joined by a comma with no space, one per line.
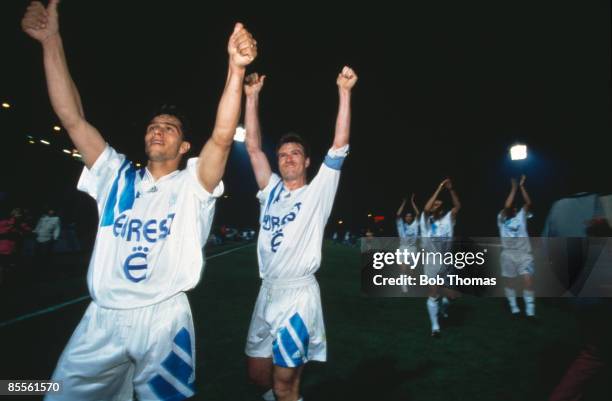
(378,348)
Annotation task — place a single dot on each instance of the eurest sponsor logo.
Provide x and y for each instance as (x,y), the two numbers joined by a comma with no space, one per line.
(137,230)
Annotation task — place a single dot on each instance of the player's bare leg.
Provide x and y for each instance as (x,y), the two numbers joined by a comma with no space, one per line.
(259,371)
(287,383)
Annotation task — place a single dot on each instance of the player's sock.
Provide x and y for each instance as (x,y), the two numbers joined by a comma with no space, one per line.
(444,303)
(433,308)
(269,395)
(529,297)
(511,297)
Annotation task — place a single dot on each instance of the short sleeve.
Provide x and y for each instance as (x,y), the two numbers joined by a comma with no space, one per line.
(194,183)
(400,227)
(449,218)
(325,183)
(335,157)
(97,180)
(415,226)
(524,215)
(264,194)
(500,218)
(423,225)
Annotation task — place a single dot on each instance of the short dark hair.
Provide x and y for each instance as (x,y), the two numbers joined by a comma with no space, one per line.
(292,137)
(176,112)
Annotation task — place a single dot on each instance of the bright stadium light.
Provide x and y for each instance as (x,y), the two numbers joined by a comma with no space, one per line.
(66,151)
(518,152)
(6,105)
(240,134)
(340,222)
(45,142)
(57,128)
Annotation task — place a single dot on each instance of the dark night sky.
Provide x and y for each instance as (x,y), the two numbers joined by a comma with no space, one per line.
(444,89)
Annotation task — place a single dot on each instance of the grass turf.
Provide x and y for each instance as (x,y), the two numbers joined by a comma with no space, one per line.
(378,348)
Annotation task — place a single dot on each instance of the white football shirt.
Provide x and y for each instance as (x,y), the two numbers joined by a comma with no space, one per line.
(513,230)
(437,234)
(405,230)
(150,234)
(292,223)
(441,228)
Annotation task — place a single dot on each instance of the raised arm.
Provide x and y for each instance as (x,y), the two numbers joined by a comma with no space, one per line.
(510,198)
(401,209)
(414,207)
(42,24)
(346,81)
(454,197)
(526,197)
(242,51)
(57,228)
(261,166)
(432,199)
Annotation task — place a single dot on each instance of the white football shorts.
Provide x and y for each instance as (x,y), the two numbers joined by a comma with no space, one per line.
(287,323)
(114,353)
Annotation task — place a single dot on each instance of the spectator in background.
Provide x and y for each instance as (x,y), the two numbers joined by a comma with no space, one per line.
(347,238)
(47,232)
(12,231)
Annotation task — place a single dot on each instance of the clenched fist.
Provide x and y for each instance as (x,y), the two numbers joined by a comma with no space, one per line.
(346,79)
(40,22)
(253,84)
(242,48)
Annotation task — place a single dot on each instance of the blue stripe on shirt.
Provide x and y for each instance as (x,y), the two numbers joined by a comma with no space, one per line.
(334,162)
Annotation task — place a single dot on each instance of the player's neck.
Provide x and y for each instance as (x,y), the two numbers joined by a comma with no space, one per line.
(295,183)
(159,169)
